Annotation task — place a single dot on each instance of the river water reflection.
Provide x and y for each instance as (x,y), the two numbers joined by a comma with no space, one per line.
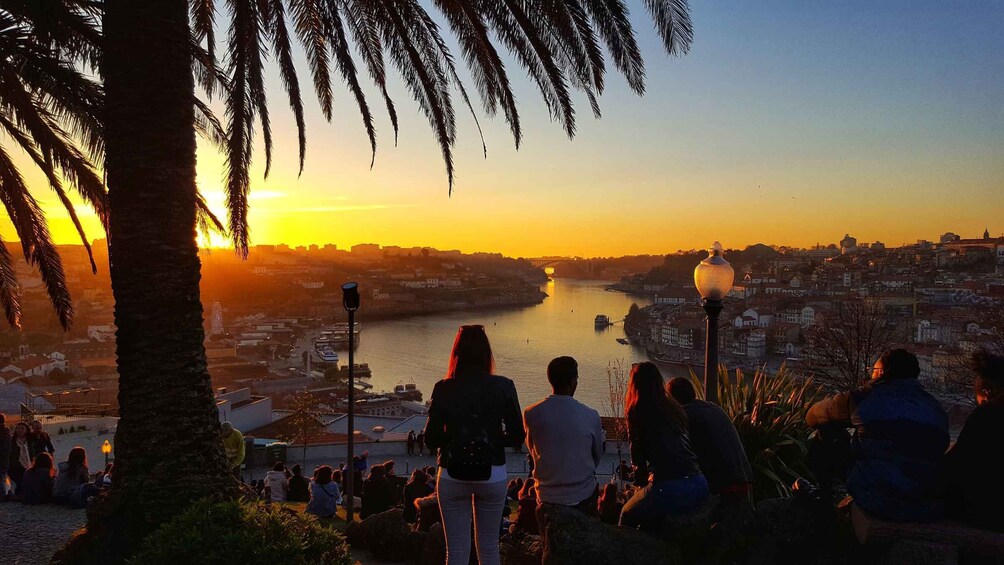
(524,340)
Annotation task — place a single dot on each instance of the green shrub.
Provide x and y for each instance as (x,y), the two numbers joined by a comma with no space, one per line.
(242,532)
(768,411)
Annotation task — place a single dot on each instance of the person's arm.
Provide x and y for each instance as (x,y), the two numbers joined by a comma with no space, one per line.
(512,416)
(529,435)
(834,409)
(597,441)
(48,444)
(435,428)
(638,457)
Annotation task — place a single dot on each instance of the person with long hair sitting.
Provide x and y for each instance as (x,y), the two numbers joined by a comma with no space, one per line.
(974,465)
(609,505)
(473,417)
(666,470)
(416,487)
(36,487)
(73,480)
(324,493)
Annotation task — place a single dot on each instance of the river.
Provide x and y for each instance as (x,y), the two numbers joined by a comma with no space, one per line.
(523,339)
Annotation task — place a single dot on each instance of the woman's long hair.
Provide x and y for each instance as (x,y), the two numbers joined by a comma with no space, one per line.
(77,458)
(646,398)
(472,354)
(43,461)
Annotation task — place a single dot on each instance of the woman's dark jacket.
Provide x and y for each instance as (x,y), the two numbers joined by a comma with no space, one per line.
(660,448)
(495,398)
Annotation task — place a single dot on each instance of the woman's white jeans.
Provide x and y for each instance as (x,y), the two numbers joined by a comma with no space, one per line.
(457,501)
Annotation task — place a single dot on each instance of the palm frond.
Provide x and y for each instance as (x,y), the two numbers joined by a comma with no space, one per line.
(10,291)
(39,251)
(672,21)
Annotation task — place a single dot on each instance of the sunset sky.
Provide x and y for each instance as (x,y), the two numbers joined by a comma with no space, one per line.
(788,123)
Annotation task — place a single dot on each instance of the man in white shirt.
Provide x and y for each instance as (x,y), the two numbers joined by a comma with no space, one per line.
(565,439)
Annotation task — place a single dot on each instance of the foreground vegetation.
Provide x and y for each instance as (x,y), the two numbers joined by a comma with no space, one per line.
(768,411)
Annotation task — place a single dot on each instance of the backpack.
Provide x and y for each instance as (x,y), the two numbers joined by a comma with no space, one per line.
(470,451)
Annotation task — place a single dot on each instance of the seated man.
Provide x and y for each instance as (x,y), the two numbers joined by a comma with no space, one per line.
(564,438)
(974,464)
(900,437)
(716,443)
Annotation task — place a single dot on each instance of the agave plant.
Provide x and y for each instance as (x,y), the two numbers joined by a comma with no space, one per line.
(768,411)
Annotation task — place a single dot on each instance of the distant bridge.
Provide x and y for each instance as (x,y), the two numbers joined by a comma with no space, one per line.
(586,266)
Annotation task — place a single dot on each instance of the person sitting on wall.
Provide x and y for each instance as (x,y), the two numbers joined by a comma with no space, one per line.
(716,443)
(324,493)
(974,465)
(565,440)
(900,437)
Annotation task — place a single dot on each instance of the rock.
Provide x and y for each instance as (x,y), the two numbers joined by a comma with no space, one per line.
(434,552)
(386,535)
(521,550)
(571,537)
(790,531)
(691,530)
(907,552)
(416,544)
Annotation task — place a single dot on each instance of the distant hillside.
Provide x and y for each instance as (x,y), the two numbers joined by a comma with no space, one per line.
(679,268)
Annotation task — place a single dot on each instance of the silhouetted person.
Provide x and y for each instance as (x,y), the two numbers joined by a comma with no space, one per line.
(73,480)
(666,470)
(900,437)
(19,456)
(974,465)
(36,487)
(716,443)
(299,488)
(39,440)
(624,471)
(420,442)
(377,494)
(411,442)
(416,487)
(565,441)
(526,509)
(609,506)
(473,417)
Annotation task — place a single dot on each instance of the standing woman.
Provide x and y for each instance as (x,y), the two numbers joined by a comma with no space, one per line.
(473,417)
(665,468)
(20,455)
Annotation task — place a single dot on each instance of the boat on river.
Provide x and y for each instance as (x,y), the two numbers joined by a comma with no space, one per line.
(601,320)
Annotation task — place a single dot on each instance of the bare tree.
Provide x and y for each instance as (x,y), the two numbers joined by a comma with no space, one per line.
(958,370)
(617,379)
(842,346)
(301,422)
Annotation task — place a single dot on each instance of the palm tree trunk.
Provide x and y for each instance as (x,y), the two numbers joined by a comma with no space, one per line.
(167,449)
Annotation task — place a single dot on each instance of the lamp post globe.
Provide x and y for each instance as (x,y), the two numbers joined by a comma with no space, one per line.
(713,278)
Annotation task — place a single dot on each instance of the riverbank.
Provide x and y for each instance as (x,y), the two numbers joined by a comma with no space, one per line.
(374,312)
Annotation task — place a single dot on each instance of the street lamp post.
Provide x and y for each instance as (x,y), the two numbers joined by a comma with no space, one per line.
(713,278)
(350,300)
(106,448)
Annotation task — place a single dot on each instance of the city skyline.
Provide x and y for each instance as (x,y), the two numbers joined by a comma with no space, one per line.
(782,124)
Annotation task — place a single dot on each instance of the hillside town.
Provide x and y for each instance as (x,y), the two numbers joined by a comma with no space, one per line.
(257,312)
(940,298)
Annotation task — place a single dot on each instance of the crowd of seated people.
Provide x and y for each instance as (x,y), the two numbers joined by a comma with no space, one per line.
(30,473)
(897,465)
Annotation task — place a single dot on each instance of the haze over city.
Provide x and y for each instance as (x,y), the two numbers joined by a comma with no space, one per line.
(786,123)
